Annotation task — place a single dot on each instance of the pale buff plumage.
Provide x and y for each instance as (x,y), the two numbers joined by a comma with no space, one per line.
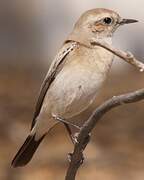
(74,78)
(76,85)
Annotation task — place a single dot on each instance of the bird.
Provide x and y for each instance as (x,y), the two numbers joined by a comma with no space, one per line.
(74,78)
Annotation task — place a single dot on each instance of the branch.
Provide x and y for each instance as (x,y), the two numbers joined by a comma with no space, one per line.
(77,155)
(127,56)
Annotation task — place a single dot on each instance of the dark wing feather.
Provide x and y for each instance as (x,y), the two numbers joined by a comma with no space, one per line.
(54,68)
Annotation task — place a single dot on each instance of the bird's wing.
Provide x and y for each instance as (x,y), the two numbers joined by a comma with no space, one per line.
(54,69)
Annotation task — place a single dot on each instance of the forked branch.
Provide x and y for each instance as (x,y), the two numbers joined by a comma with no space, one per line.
(77,155)
(83,137)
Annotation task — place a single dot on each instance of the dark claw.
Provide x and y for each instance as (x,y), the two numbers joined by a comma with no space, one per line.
(69,157)
(74,138)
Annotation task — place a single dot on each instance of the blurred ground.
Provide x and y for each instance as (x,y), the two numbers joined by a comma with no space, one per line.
(117,148)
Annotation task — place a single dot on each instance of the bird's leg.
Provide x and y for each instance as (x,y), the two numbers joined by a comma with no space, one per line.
(73,136)
(67,124)
(65,121)
(69,132)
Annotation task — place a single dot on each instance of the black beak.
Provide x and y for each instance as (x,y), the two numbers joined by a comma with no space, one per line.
(127,21)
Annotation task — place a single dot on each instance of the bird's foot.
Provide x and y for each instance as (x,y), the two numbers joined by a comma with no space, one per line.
(75,138)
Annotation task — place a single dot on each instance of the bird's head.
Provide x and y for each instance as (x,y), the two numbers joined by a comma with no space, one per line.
(99,23)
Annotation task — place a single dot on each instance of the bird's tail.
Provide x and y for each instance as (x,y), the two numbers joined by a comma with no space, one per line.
(26,152)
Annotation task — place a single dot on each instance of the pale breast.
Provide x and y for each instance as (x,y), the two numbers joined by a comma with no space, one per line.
(77,84)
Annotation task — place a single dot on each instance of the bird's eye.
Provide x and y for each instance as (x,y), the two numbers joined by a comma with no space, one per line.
(107,20)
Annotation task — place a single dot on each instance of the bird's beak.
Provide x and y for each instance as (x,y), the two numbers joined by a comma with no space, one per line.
(127,21)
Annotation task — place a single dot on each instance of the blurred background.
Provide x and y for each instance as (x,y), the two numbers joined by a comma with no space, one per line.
(31,33)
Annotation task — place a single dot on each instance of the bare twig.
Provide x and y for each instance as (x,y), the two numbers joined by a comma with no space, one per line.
(77,155)
(127,56)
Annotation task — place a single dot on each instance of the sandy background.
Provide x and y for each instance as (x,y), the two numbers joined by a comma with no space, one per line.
(30,34)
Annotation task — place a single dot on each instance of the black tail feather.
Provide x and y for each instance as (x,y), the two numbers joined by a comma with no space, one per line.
(26,152)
